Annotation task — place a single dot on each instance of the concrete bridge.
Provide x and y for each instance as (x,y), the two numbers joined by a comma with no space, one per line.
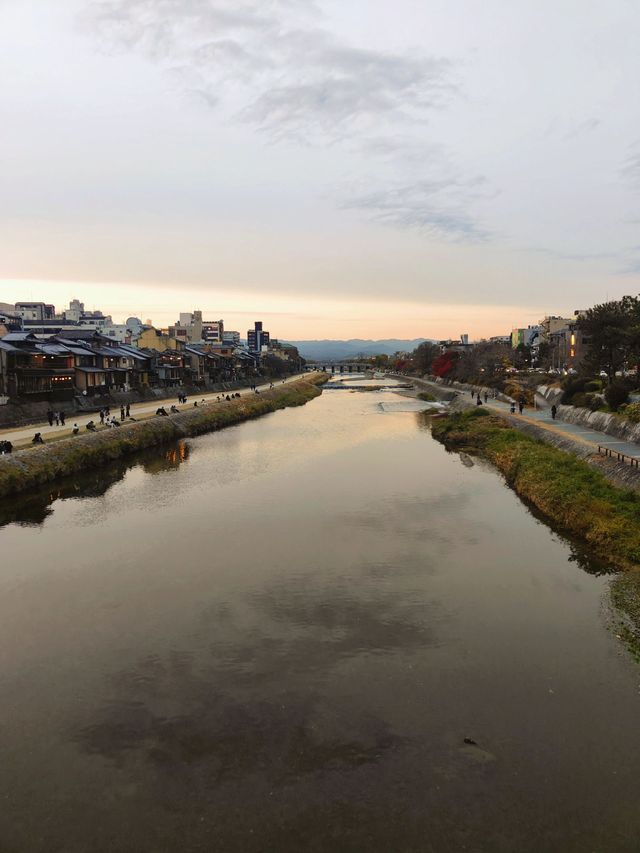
(338,366)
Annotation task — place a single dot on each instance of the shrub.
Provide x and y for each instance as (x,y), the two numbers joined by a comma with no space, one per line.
(593,385)
(616,395)
(631,412)
(572,386)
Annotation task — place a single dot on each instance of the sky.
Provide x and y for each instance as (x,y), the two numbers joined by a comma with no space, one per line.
(415,168)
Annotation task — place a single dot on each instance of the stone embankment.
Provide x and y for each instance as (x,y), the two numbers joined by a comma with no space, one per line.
(41,464)
(606,422)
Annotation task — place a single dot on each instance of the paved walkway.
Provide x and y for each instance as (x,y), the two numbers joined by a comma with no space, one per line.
(542,418)
(21,436)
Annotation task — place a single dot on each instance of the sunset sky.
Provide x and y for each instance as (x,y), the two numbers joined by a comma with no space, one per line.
(338,169)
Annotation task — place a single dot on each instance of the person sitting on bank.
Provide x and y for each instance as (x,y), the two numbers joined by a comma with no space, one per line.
(37,439)
(76,429)
(91,426)
(162,411)
(6,447)
(174,409)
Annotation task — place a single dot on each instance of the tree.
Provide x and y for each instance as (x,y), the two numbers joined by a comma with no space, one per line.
(444,364)
(611,329)
(424,356)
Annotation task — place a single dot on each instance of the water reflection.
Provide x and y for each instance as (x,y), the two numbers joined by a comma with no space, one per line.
(32,508)
(283,646)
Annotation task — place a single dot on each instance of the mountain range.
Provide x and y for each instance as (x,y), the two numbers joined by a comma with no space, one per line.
(329,349)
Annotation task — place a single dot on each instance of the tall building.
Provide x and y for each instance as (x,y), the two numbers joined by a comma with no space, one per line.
(257,338)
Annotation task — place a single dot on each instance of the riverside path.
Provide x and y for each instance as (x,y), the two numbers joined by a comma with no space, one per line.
(592,437)
(21,436)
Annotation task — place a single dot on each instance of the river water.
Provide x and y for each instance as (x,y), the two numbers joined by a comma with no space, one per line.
(277,638)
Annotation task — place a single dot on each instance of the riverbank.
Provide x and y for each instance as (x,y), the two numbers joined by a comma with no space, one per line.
(565,489)
(37,465)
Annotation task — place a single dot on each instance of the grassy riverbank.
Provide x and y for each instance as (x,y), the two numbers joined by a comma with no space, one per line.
(42,464)
(563,487)
(570,493)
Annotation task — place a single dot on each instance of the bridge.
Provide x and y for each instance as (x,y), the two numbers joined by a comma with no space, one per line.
(338,366)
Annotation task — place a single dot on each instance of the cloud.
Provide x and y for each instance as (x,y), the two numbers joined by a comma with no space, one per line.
(583,127)
(290,79)
(630,170)
(434,207)
(272,66)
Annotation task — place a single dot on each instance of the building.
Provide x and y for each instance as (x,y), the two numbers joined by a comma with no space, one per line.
(231,338)
(35,370)
(551,325)
(257,338)
(153,339)
(191,328)
(35,311)
(213,331)
(528,337)
(568,347)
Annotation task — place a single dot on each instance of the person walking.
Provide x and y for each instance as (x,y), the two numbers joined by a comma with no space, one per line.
(62,418)
(56,415)
(554,411)
(512,408)
(520,405)
(121,412)
(478,400)
(49,417)
(128,410)
(486,396)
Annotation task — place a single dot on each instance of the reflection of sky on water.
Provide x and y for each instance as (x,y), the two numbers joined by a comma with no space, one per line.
(282,644)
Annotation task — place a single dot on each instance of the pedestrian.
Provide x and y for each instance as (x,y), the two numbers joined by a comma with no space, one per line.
(57,417)
(512,407)
(62,418)
(121,412)
(520,405)
(49,417)
(478,400)
(486,396)
(554,411)
(76,429)
(128,410)
(101,416)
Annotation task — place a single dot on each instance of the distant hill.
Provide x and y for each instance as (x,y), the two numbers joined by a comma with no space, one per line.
(353,348)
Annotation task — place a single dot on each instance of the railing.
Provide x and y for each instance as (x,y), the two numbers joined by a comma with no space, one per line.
(621,457)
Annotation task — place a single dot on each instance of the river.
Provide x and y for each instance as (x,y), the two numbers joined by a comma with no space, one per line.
(277,638)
